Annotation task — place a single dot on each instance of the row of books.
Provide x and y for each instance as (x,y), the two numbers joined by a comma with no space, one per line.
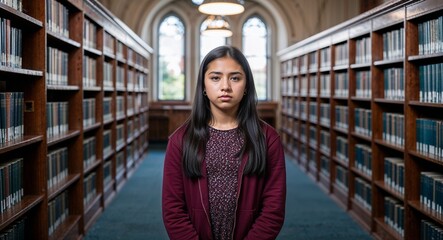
(393,128)
(363,193)
(430,36)
(120,104)
(89,71)
(341,54)
(120,130)
(11,183)
(89,188)
(313,85)
(89,34)
(363,50)
(107,142)
(363,121)
(57,166)
(363,158)
(89,152)
(325,85)
(11,48)
(325,57)
(325,114)
(431,83)
(107,109)
(342,147)
(341,177)
(16,4)
(108,43)
(313,62)
(341,88)
(119,162)
(393,44)
(16,231)
(313,111)
(431,191)
(341,117)
(394,84)
(120,77)
(11,116)
(312,135)
(394,173)
(57,67)
(394,215)
(324,165)
(56,118)
(58,211)
(303,85)
(429,137)
(430,230)
(120,50)
(107,173)
(57,18)
(303,132)
(107,75)
(89,117)
(363,84)
(325,141)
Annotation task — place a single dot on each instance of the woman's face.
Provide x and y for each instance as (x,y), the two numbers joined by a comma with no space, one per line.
(225,84)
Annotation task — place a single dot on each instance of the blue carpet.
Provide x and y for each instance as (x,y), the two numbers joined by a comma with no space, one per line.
(135,213)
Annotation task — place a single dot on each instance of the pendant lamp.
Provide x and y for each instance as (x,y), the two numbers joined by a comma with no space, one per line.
(216,25)
(217,7)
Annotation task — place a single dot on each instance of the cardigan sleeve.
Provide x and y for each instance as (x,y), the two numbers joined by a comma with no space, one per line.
(271,217)
(175,214)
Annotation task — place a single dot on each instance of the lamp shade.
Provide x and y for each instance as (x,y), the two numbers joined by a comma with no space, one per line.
(216,26)
(217,7)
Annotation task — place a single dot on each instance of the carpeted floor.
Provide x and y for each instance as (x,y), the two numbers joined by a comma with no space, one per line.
(135,213)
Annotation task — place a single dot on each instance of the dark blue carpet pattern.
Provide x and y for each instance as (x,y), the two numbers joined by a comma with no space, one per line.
(135,213)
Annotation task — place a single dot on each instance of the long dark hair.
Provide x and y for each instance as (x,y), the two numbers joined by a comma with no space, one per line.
(249,124)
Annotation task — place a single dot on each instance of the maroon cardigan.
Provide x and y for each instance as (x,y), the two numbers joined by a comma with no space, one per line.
(261,200)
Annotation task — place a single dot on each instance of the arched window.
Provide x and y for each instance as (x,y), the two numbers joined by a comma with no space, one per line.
(255,47)
(171,59)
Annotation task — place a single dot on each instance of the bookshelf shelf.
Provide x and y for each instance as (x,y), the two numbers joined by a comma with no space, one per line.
(66,227)
(20,71)
(426,211)
(56,79)
(18,210)
(62,40)
(62,185)
(63,88)
(384,231)
(19,143)
(23,18)
(377,81)
(61,138)
(386,188)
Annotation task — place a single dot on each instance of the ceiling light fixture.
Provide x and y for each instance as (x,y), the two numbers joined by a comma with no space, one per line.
(217,7)
(216,25)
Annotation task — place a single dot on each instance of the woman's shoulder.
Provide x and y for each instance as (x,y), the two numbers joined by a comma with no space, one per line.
(179,132)
(268,130)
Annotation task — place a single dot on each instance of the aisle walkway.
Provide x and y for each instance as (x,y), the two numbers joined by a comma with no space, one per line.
(135,213)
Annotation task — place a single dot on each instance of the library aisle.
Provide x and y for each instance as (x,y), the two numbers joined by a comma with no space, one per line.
(135,213)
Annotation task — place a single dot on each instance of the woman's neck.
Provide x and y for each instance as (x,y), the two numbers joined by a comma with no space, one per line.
(224,123)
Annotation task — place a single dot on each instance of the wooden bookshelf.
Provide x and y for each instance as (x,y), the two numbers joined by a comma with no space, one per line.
(374,82)
(58,99)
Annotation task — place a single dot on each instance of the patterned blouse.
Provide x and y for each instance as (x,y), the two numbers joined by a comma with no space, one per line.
(222,166)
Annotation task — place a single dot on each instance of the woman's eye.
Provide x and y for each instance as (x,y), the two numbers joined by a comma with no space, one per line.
(215,78)
(235,78)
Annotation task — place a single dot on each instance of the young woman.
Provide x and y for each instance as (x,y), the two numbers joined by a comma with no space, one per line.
(224,173)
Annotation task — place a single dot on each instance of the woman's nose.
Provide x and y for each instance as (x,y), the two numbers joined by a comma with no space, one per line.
(225,84)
